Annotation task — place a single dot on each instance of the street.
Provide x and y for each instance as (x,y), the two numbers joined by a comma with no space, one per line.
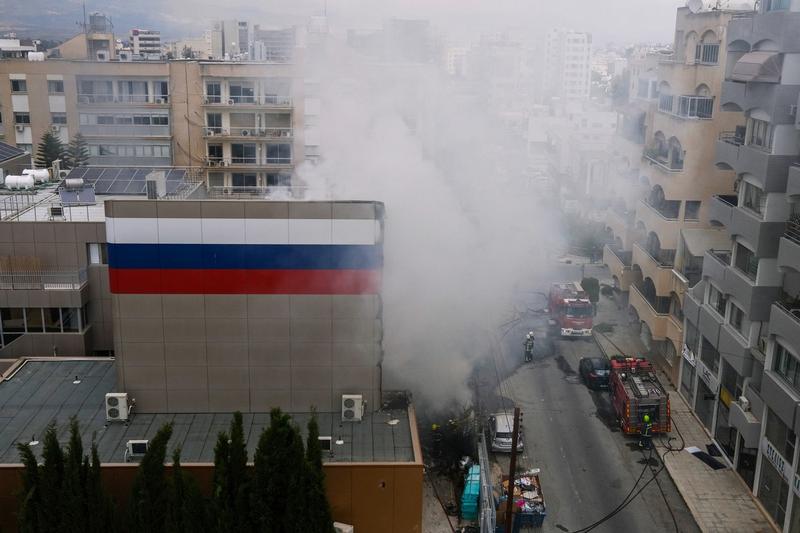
(588,466)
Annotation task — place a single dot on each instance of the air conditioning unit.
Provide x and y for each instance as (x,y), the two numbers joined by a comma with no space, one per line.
(262,132)
(102,55)
(212,162)
(338,527)
(225,163)
(117,407)
(245,133)
(206,100)
(161,100)
(20,127)
(231,101)
(55,128)
(210,132)
(136,448)
(352,407)
(744,403)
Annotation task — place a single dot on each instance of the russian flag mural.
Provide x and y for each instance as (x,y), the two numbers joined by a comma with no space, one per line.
(207,255)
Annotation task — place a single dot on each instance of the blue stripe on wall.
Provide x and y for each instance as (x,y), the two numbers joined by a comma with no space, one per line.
(246,256)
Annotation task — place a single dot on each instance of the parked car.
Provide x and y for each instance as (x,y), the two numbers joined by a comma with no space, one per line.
(501,428)
(594,372)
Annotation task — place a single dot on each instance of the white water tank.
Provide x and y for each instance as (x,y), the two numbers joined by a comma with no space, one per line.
(73,183)
(40,175)
(19,182)
(35,56)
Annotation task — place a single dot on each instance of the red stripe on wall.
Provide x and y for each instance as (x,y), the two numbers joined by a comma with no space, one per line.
(228,281)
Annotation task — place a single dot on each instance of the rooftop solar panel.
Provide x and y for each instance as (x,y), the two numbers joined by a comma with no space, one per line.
(126,180)
(9,152)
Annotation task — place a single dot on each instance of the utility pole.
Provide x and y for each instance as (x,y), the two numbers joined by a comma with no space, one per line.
(512,470)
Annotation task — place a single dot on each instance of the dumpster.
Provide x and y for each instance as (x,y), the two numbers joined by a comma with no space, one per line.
(529,506)
(469,498)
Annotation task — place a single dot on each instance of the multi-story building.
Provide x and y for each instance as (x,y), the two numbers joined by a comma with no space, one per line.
(568,64)
(146,43)
(243,120)
(230,39)
(742,342)
(671,226)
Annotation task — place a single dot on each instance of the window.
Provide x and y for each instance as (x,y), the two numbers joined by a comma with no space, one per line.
(716,300)
(753,198)
(243,180)
(19,86)
(105,119)
(707,53)
(141,120)
(55,87)
(279,179)
(70,318)
(27,147)
(759,134)
(710,356)
(739,321)
(123,120)
(52,320)
(97,253)
(775,5)
(58,118)
(243,153)
(213,92)
(160,120)
(22,118)
(746,261)
(279,153)
(241,93)
(786,366)
(780,435)
(215,152)
(161,89)
(214,121)
(692,210)
(665,103)
(33,319)
(216,179)
(13,320)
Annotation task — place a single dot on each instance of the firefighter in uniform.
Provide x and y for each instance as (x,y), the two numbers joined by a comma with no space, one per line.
(645,437)
(529,338)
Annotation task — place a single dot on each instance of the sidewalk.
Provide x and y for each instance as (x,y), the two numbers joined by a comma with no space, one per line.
(718,499)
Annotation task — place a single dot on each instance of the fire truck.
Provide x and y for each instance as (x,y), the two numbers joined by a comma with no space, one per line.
(635,392)
(571,309)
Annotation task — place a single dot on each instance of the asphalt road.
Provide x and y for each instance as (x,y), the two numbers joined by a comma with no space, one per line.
(587,466)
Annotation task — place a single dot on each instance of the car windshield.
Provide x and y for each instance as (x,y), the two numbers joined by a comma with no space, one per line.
(503,435)
(579,312)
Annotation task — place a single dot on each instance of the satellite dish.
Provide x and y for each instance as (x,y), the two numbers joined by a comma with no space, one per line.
(695,6)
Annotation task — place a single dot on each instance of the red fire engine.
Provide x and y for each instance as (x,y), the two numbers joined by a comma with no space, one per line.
(571,309)
(635,392)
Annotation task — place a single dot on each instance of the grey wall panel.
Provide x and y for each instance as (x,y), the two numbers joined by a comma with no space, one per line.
(183,305)
(185,354)
(269,352)
(267,305)
(227,353)
(187,400)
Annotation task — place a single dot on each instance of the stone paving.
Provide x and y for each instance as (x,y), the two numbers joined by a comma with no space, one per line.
(718,499)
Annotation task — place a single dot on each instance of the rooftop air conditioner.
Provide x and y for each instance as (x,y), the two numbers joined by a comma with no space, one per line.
(744,403)
(352,407)
(230,101)
(20,127)
(117,407)
(136,448)
(102,55)
(338,527)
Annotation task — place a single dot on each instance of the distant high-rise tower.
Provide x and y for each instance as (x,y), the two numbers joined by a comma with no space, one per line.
(568,64)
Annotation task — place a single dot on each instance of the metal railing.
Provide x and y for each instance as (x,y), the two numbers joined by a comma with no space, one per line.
(728,199)
(250,131)
(696,107)
(663,161)
(722,256)
(624,256)
(793,229)
(255,192)
(735,138)
(658,307)
(488,515)
(265,100)
(790,308)
(43,279)
(124,130)
(123,99)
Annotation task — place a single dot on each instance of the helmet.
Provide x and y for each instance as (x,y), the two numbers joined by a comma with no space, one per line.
(646,419)
(530,333)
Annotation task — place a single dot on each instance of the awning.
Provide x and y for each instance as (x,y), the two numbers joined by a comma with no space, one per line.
(758,66)
(699,240)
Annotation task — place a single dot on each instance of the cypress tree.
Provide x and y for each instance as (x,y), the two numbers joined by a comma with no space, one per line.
(51,508)
(29,496)
(319,514)
(219,489)
(50,148)
(231,480)
(74,488)
(149,506)
(77,152)
(187,512)
(101,517)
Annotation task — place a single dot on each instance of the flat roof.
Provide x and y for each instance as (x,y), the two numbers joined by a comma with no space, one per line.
(41,391)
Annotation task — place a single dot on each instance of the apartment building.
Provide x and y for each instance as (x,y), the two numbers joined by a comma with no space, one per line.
(568,64)
(146,43)
(741,350)
(243,120)
(671,229)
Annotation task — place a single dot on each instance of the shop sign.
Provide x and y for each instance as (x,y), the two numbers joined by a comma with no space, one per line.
(688,355)
(725,397)
(707,376)
(781,465)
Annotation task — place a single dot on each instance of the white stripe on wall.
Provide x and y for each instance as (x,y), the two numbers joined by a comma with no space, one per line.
(240,231)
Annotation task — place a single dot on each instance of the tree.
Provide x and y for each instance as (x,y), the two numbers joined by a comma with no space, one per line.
(231,483)
(77,152)
(30,496)
(101,515)
(50,148)
(187,52)
(149,504)
(319,511)
(51,478)
(187,512)
(74,492)
(280,475)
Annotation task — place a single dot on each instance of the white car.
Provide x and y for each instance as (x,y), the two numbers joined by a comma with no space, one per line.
(501,427)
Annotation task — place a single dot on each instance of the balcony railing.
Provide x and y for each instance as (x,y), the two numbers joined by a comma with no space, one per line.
(668,210)
(123,99)
(659,305)
(793,229)
(694,107)
(790,307)
(722,256)
(246,161)
(124,130)
(43,279)
(625,256)
(664,258)
(663,161)
(250,131)
(735,138)
(267,100)
(254,192)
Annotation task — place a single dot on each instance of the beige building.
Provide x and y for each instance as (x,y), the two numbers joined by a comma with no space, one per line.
(659,244)
(244,121)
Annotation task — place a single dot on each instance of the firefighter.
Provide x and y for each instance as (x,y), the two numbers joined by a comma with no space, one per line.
(645,437)
(529,338)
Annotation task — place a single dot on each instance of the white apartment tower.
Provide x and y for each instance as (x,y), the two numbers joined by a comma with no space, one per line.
(146,42)
(568,64)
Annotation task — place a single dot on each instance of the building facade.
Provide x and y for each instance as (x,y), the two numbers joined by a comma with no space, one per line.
(568,64)
(146,43)
(243,120)
(742,340)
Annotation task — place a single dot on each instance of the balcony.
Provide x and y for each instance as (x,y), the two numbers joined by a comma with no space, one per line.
(720,208)
(248,162)
(784,322)
(662,220)
(762,235)
(755,299)
(663,161)
(249,131)
(657,267)
(621,224)
(269,101)
(132,99)
(779,27)
(716,263)
(127,130)
(748,426)
(619,264)
(774,99)
(735,350)
(789,247)
(654,316)
(793,182)
(770,170)
(687,107)
(781,397)
(47,280)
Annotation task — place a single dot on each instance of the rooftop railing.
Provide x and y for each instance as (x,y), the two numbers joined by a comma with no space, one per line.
(43,279)
(255,192)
